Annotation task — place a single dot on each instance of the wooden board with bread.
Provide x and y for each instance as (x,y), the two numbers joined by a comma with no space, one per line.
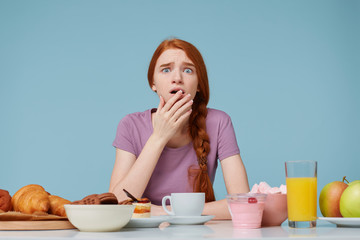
(32,208)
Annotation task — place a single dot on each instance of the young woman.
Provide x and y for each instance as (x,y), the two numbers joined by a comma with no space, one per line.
(175,147)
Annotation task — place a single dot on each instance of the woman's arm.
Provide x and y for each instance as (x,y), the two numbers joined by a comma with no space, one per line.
(134,174)
(236,181)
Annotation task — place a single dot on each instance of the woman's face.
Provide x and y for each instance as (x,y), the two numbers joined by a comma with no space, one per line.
(174,71)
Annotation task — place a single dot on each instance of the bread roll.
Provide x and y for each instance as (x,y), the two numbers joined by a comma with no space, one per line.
(5,200)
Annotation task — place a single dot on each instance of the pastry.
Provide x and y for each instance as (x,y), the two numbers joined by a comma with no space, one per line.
(108,198)
(93,199)
(126,202)
(5,200)
(57,205)
(90,200)
(31,198)
(77,202)
(142,207)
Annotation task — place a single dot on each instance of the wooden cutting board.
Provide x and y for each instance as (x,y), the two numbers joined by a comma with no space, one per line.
(36,225)
(23,221)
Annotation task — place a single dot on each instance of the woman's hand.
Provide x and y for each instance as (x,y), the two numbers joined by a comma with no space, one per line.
(158,210)
(172,115)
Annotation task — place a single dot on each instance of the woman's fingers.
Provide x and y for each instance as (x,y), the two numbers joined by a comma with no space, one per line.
(171,115)
(183,109)
(169,104)
(176,107)
(161,103)
(184,118)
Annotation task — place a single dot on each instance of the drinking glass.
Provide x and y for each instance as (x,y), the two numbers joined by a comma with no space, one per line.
(246,209)
(301,183)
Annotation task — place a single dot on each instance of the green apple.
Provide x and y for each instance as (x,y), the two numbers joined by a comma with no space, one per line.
(356,181)
(350,200)
(329,198)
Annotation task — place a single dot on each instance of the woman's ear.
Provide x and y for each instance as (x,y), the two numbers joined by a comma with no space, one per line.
(153,88)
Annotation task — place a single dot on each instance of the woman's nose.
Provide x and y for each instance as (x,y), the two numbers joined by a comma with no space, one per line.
(177,78)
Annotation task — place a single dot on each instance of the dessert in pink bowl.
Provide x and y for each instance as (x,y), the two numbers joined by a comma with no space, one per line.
(275,211)
(246,209)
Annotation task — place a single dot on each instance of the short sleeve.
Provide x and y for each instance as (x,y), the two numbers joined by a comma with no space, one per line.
(123,139)
(227,143)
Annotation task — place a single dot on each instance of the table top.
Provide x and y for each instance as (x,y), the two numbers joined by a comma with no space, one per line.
(212,229)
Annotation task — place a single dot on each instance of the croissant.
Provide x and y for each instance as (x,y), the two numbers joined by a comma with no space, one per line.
(31,198)
(57,205)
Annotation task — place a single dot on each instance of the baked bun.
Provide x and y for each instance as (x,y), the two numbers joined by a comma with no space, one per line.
(57,205)
(31,198)
(5,200)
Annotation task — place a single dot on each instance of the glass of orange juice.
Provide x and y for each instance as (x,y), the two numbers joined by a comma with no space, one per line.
(301,184)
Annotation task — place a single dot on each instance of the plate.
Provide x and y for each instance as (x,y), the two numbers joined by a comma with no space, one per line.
(343,222)
(189,220)
(151,222)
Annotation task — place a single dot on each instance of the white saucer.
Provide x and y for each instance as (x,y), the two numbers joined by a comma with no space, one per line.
(189,220)
(151,222)
(343,222)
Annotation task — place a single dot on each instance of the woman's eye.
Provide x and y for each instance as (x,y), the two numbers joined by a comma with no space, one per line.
(188,70)
(165,70)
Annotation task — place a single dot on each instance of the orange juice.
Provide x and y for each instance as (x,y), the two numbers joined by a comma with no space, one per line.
(301,198)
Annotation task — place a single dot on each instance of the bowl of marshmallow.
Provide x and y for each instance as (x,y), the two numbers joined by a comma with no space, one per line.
(275,211)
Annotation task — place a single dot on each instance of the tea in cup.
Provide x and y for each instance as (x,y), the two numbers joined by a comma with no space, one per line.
(185,204)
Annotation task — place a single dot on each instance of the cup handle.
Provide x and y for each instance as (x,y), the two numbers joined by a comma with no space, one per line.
(163,203)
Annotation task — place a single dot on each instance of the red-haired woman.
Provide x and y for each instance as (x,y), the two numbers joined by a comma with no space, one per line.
(175,147)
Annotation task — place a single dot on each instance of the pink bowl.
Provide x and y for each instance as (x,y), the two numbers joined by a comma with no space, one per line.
(275,211)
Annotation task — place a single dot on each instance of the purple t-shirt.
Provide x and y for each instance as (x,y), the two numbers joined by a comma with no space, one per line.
(171,172)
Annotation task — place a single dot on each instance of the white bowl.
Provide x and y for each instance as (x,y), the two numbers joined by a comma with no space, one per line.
(99,218)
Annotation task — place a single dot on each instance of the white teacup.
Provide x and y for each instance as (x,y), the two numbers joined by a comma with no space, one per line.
(185,204)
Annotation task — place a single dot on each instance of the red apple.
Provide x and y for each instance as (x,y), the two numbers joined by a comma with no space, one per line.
(330,197)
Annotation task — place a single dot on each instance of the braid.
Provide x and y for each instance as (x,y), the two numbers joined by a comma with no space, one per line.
(201,145)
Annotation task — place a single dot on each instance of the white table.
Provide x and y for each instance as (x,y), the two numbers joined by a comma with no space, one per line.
(212,229)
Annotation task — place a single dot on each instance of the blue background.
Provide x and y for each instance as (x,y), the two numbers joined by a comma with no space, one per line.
(287,72)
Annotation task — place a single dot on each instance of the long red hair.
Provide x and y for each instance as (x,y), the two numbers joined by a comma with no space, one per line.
(197,121)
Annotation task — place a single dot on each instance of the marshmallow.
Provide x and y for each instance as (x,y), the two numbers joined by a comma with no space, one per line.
(283,189)
(274,190)
(263,187)
(255,189)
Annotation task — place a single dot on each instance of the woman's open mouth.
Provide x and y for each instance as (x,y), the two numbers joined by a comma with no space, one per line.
(176,90)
